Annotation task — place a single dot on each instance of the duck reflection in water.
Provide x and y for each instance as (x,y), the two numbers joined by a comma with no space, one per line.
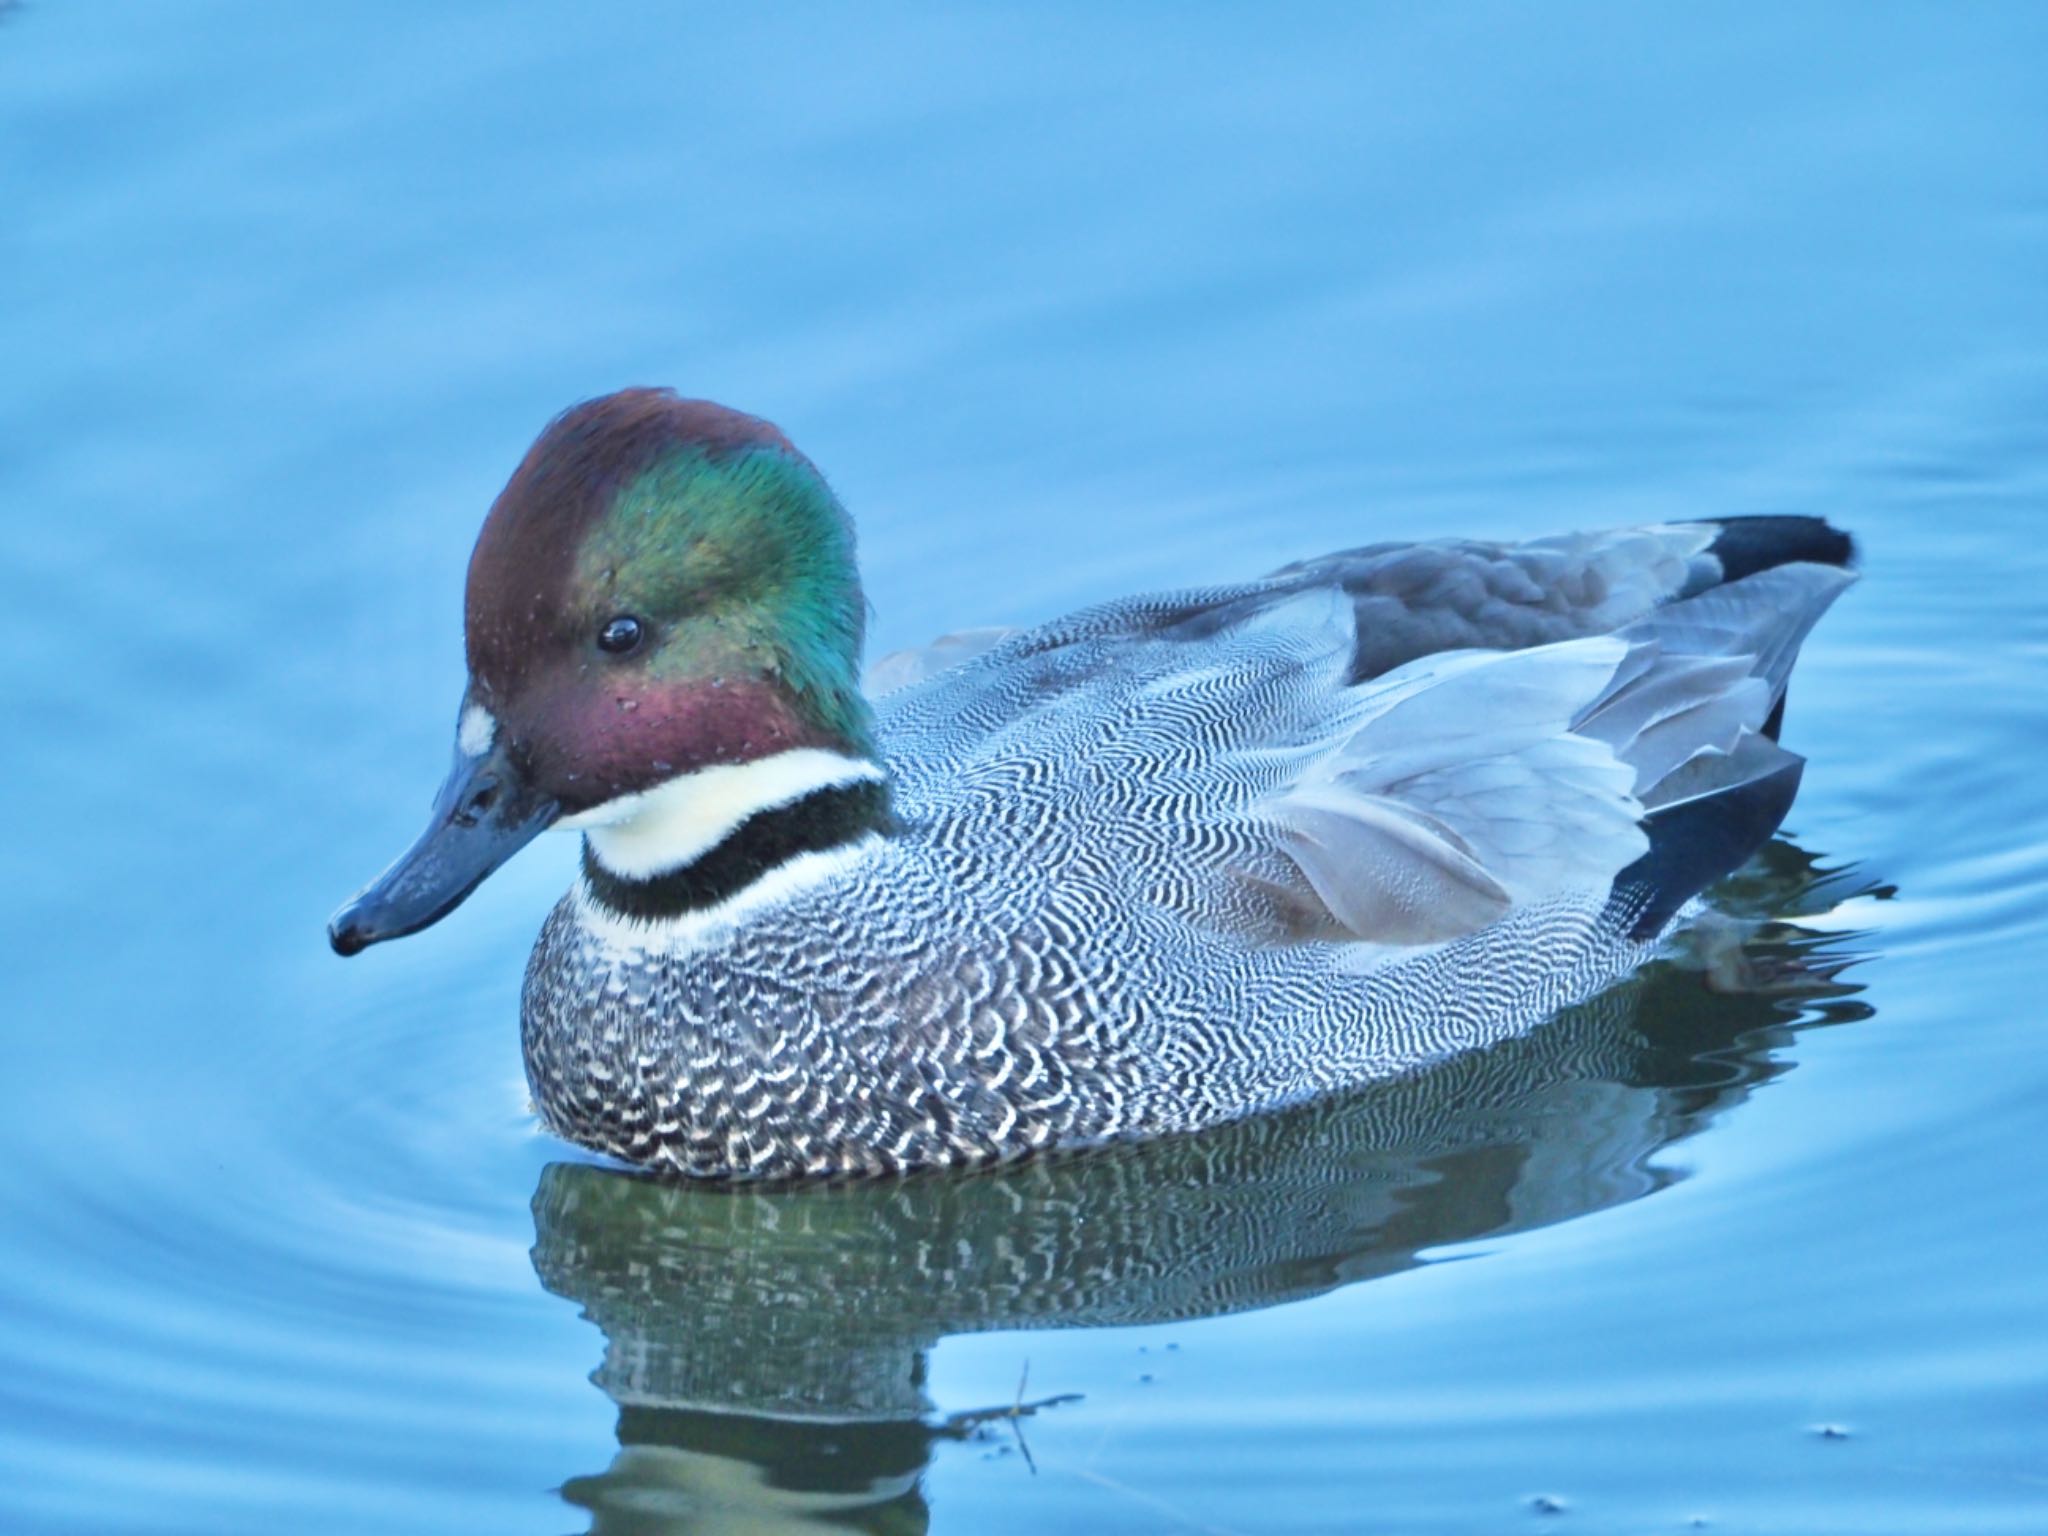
(767,1348)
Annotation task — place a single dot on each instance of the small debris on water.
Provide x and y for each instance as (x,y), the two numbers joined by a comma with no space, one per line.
(1548,1504)
(1831,1431)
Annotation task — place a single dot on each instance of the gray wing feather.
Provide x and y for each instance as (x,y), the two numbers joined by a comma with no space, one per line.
(1466,792)
(1707,673)
(1765,617)
(1415,599)
(1481,780)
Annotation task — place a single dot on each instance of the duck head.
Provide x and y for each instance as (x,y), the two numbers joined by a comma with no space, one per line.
(663,629)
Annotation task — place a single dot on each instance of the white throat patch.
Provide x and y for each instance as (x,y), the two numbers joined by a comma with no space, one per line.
(475,731)
(664,828)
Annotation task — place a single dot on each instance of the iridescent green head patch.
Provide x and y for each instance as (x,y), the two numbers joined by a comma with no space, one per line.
(733,563)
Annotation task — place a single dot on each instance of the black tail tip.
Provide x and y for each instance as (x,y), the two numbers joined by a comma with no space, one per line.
(1746,545)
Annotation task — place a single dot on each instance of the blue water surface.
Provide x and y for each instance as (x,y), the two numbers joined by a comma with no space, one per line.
(1068,303)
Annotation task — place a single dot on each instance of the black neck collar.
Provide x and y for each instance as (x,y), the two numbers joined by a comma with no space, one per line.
(825,818)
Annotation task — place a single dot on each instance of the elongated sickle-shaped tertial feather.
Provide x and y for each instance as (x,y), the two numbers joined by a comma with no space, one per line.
(1461,791)
(1705,675)
(1474,782)
(1386,870)
(1765,618)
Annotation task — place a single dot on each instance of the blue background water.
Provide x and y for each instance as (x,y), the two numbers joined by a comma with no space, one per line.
(1067,304)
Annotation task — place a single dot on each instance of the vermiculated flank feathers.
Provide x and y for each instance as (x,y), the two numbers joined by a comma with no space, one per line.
(1172,859)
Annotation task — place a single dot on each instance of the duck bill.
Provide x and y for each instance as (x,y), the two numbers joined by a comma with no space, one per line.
(486,812)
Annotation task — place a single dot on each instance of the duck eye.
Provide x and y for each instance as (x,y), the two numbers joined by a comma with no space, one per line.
(619,636)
